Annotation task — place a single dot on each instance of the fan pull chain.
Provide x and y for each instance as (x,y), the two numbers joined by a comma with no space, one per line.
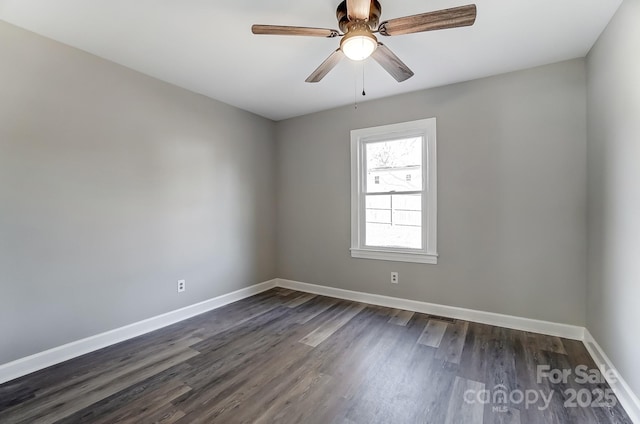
(363,92)
(355,88)
(355,85)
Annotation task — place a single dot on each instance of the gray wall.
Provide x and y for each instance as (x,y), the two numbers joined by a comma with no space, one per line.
(614,191)
(114,185)
(511,195)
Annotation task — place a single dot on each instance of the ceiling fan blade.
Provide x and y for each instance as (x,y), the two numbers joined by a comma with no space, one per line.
(391,63)
(358,9)
(293,30)
(326,66)
(440,19)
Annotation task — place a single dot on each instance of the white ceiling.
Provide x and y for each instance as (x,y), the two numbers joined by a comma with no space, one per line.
(207,46)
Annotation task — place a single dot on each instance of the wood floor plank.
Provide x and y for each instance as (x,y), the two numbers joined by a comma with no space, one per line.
(288,406)
(87,372)
(413,399)
(69,402)
(167,415)
(123,399)
(441,318)
(578,356)
(221,322)
(528,359)
(560,361)
(364,364)
(401,317)
(376,399)
(15,393)
(299,300)
(231,364)
(500,374)
(276,318)
(475,354)
(453,342)
(220,403)
(461,411)
(109,370)
(436,385)
(276,340)
(315,309)
(344,357)
(433,333)
(509,416)
(324,331)
(237,387)
(550,343)
(147,406)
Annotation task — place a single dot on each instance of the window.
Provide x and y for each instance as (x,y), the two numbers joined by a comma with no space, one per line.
(393,192)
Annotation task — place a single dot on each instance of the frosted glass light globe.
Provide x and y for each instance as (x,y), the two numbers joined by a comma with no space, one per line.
(358,45)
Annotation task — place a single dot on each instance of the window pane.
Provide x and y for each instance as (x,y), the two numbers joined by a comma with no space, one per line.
(394,221)
(394,165)
(380,202)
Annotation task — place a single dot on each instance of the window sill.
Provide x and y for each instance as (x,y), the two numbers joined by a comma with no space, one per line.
(386,255)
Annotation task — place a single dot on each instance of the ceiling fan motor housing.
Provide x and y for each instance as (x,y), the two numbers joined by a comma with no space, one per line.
(343,18)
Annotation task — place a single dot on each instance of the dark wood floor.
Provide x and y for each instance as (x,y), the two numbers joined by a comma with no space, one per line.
(290,357)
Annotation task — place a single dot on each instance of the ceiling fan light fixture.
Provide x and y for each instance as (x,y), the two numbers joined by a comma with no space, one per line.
(359,20)
(358,44)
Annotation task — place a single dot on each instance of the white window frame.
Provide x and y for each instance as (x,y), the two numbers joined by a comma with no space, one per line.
(425,128)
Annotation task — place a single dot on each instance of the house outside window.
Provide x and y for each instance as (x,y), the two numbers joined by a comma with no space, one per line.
(393,192)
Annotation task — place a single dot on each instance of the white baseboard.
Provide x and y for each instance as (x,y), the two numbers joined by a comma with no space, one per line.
(47,358)
(508,321)
(625,395)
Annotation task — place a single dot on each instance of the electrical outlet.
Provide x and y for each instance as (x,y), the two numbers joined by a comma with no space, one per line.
(182,286)
(394,278)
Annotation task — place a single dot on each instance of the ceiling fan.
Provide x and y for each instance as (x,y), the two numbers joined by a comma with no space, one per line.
(358,20)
